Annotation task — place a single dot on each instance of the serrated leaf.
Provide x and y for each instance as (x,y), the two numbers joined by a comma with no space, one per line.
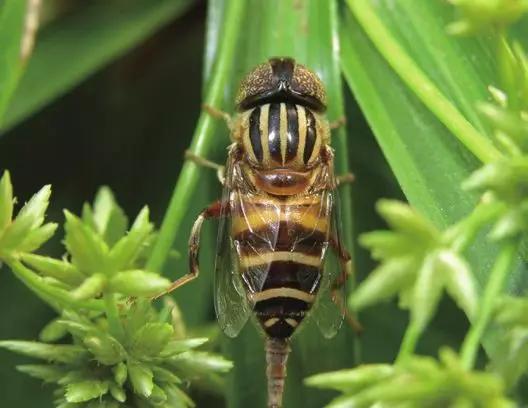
(179,346)
(166,376)
(138,283)
(89,252)
(30,217)
(61,270)
(109,218)
(6,200)
(85,391)
(106,350)
(91,287)
(63,353)
(384,282)
(151,339)
(200,362)
(36,238)
(141,378)
(46,373)
(126,250)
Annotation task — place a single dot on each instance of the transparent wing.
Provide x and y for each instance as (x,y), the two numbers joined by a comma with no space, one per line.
(329,308)
(231,302)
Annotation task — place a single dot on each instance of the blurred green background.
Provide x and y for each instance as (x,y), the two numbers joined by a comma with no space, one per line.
(127,125)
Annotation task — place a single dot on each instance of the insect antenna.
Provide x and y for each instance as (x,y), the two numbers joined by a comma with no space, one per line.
(277,351)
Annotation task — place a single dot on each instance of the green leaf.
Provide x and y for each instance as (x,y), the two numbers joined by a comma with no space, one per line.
(201,362)
(427,292)
(29,218)
(351,380)
(179,346)
(384,282)
(12,22)
(91,287)
(120,373)
(85,391)
(105,348)
(88,250)
(151,339)
(63,353)
(6,200)
(127,249)
(46,373)
(141,378)
(114,29)
(110,220)
(460,283)
(53,331)
(118,393)
(138,283)
(61,270)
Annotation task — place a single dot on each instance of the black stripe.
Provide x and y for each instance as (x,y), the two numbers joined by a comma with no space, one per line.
(274,141)
(283,274)
(311,135)
(282,308)
(293,132)
(254,133)
(282,235)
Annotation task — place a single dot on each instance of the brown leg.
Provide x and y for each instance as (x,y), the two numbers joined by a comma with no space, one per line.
(346,270)
(346,178)
(201,161)
(218,114)
(338,123)
(213,211)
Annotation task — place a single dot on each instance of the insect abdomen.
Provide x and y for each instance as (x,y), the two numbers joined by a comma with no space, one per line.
(280,247)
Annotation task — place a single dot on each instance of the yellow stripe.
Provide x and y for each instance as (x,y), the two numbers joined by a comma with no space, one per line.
(258,219)
(246,139)
(282,292)
(264,115)
(249,261)
(301,117)
(283,131)
(318,139)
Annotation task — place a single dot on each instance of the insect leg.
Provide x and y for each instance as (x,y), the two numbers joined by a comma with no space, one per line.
(346,271)
(219,114)
(201,161)
(213,211)
(346,178)
(338,123)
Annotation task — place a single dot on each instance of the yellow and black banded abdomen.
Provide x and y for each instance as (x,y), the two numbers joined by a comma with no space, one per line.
(280,250)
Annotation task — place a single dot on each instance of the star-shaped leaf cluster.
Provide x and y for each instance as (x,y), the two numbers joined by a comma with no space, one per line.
(145,369)
(417,382)
(417,263)
(103,257)
(505,181)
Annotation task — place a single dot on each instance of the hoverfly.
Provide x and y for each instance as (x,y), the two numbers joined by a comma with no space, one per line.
(278,215)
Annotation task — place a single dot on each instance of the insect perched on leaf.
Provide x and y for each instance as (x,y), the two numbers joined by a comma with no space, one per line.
(279,254)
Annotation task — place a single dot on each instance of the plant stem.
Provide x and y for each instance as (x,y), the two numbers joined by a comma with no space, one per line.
(52,295)
(201,144)
(112,314)
(492,291)
(410,339)
(420,84)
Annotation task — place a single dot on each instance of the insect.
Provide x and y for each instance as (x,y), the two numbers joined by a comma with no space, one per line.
(280,256)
